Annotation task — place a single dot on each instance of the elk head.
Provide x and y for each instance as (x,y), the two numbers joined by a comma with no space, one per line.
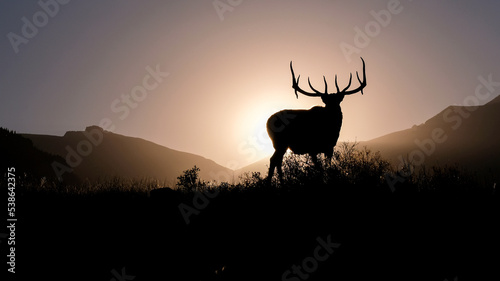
(332,98)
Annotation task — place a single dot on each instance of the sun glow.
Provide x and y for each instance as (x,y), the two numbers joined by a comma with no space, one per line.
(256,143)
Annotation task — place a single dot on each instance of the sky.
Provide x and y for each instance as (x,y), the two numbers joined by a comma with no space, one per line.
(204,76)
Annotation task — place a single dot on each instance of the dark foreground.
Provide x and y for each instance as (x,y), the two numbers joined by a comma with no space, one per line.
(331,233)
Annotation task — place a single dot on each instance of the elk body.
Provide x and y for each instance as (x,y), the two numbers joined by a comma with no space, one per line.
(312,131)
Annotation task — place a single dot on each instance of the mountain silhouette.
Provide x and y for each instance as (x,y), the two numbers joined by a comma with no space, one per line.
(458,135)
(125,157)
(29,162)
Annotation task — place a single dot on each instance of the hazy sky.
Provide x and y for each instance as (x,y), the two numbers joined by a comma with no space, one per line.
(68,66)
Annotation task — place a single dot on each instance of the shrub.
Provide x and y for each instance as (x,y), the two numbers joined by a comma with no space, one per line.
(348,165)
(189,181)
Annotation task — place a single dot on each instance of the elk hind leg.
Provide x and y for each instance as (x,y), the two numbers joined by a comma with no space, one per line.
(276,162)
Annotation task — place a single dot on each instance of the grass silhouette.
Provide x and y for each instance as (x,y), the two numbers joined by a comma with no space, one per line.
(437,224)
(358,169)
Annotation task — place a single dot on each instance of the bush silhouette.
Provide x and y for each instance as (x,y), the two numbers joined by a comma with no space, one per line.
(349,166)
(189,181)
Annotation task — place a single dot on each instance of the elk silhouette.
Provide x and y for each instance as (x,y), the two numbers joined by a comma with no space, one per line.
(312,131)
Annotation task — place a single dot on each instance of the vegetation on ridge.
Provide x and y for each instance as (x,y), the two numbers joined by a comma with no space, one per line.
(358,169)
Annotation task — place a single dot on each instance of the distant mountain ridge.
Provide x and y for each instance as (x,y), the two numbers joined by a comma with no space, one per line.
(459,135)
(25,160)
(96,153)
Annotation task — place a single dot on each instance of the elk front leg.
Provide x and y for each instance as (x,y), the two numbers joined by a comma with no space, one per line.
(276,162)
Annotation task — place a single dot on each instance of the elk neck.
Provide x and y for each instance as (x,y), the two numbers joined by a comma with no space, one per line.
(334,109)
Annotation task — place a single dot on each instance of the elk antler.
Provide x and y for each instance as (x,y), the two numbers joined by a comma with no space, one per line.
(295,85)
(362,84)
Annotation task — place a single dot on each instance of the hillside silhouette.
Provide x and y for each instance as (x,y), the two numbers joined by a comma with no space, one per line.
(256,231)
(29,161)
(126,157)
(469,139)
